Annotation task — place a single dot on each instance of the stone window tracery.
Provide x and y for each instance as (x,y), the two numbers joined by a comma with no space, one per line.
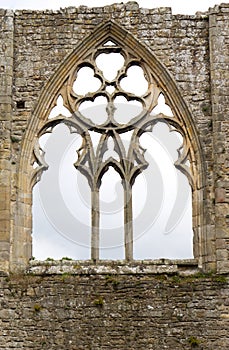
(111,91)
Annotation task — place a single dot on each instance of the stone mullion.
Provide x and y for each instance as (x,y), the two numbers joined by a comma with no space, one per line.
(128,220)
(95,218)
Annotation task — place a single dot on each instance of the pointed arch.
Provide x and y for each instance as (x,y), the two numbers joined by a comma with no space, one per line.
(107,32)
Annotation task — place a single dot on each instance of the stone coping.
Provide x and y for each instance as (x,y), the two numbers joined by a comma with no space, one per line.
(79,267)
(129,6)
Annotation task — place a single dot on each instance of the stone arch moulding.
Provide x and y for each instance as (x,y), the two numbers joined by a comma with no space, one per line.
(21,236)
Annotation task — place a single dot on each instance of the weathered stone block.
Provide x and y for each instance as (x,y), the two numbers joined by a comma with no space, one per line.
(220,195)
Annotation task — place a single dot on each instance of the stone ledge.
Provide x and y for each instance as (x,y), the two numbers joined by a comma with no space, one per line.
(79,267)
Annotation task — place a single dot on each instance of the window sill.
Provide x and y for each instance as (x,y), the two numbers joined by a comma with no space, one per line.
(105,267)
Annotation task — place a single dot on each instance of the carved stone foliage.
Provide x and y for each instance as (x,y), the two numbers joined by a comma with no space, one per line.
(128,162)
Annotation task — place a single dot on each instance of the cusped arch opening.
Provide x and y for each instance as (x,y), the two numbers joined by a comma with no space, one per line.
(162,81)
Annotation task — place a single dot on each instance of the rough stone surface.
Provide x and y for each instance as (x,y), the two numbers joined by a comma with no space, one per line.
(114,312)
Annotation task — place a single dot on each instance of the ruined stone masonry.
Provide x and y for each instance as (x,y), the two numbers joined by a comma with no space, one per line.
(115,305)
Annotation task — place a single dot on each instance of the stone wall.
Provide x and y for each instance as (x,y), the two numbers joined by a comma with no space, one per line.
(171,307)
(6,78)
(128,310)
(219,64)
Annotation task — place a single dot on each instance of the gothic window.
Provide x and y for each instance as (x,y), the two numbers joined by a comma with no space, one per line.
(124,100)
